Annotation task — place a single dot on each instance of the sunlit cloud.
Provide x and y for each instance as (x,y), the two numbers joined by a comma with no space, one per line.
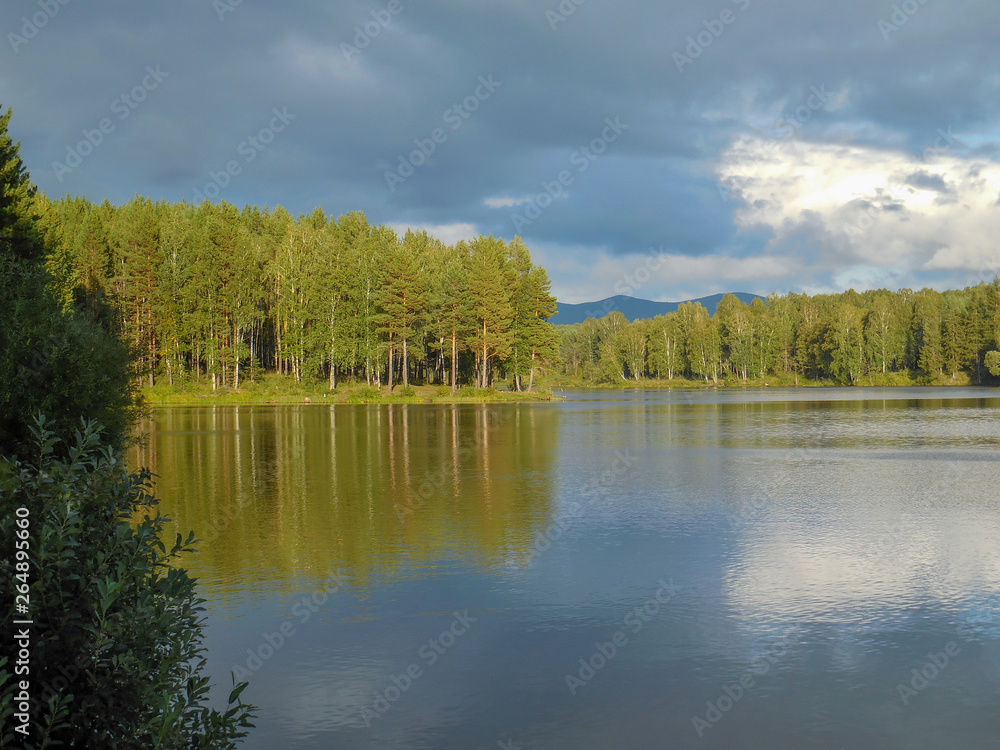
(449,234)
(867,215)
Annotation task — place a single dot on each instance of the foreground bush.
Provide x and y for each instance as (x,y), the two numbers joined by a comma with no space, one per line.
(59,352)
(116,652)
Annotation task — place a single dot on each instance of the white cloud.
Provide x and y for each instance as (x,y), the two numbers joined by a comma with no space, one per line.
(592,275)
(867,214)
(505,202)
(449,234)
(317,62)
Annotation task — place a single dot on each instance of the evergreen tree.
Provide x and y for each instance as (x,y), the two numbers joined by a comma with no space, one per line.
(403,300)
(63,362)
(927,332)
(489,289)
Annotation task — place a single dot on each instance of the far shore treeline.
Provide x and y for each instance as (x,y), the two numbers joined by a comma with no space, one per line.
(876,337)
(213,294)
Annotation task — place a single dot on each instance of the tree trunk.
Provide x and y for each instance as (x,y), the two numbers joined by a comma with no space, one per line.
(388,380)
(483,384)
(454,360)
(406,374)
(333,345)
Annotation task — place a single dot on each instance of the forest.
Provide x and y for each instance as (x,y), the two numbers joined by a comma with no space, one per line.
(875,337)
(212,294)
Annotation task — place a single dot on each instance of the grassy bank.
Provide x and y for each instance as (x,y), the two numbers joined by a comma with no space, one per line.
(891,379)
(275,389)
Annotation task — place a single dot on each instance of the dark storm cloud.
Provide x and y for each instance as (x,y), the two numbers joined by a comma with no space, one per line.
(927,181)
(686,77)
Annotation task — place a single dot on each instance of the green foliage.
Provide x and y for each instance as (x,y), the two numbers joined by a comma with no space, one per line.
(993,363)
(58,350)
(874,338)
(364,395)
(211,294)
(117,655)
(20,238)
(406,391)
(486,394)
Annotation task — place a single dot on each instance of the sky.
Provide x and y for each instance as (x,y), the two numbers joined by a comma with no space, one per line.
(662,149)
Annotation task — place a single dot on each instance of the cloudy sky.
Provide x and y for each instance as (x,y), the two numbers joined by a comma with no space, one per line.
(731,145)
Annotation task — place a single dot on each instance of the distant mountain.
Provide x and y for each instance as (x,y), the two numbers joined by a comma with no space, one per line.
(633,308)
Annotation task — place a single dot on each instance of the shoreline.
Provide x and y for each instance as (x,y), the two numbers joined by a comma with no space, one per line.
(160,396)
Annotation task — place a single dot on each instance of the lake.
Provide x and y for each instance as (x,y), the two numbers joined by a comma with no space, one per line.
(810,568)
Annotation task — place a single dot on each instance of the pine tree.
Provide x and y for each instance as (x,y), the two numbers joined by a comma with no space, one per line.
(451,307)
(534,332)
(135,241)
(489,290)
(20,238)
(927,311)
(63,362)
(402,299)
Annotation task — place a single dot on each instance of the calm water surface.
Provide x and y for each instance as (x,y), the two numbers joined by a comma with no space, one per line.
(683,569)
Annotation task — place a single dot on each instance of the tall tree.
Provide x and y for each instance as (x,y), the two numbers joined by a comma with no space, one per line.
(666,346)
(927,310)
(490,280)
(884,333)
(704,344)
(403,300)
(846,343)
(66,363)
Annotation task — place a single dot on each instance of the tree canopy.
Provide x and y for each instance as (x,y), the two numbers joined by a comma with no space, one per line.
(214,293)
(847,338)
